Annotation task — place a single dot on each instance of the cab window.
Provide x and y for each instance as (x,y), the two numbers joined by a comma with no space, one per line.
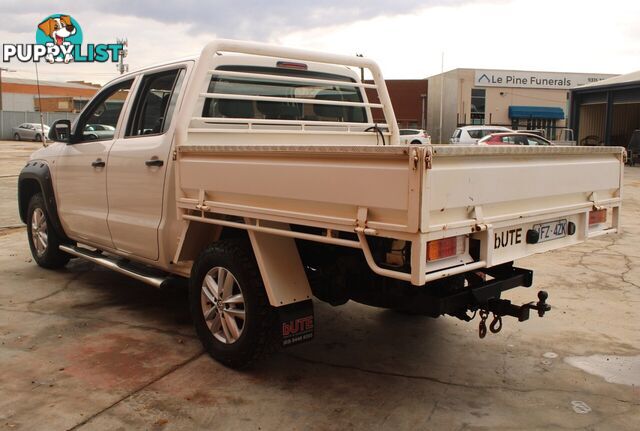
(99,121)
(155,103)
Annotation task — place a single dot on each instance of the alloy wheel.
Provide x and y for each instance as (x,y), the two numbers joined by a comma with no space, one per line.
(223,305)
(39,234)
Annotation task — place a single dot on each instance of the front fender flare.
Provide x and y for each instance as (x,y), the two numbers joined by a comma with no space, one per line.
(37,171)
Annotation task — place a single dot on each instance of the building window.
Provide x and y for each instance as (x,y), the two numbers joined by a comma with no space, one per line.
(478,103)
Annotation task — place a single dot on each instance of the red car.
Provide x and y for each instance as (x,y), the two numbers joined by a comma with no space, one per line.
(513,139)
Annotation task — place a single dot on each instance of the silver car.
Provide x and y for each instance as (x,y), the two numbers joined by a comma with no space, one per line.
(30,132)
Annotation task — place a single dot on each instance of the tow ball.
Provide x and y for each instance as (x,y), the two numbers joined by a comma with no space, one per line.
(504,307)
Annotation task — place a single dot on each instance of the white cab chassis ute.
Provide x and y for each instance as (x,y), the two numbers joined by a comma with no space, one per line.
(256,173)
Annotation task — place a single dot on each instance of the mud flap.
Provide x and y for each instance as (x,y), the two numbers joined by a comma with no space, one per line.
(296,322)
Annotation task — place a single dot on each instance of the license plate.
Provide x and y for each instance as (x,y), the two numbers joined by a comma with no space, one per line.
(551,230)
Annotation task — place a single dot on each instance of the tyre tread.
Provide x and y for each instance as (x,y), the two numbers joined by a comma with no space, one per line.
(238,250)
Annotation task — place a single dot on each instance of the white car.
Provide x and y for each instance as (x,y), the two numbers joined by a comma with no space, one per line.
(30,132)
(469,135)
(414,136)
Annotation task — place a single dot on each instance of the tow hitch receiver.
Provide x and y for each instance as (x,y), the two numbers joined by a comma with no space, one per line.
(504,307)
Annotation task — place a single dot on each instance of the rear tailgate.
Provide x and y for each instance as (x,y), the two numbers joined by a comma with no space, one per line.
(500,193)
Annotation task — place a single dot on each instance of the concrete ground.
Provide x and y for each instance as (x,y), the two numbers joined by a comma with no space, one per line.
(85,348)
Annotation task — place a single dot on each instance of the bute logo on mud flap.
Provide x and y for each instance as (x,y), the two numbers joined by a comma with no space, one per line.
(296,323)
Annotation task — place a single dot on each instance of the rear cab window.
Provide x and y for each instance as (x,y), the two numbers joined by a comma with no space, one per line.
(221,107)
(154,103)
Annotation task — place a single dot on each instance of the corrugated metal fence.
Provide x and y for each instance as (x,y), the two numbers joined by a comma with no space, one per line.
(11,119)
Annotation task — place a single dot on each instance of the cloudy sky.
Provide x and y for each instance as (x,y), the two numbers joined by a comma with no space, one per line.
(406,37)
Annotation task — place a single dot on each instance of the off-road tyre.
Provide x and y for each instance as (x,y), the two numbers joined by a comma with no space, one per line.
(50,256)
(259,334)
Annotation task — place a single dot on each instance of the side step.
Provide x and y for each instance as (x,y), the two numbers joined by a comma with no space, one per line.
(114,264)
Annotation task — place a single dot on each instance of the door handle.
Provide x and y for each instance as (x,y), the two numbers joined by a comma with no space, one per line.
(154,162)
(98,163)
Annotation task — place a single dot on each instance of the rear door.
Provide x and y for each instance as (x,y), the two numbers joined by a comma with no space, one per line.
(138,164)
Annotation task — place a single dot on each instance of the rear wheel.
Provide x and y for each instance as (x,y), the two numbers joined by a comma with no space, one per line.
(38,138)
(16,137)
(43,240)
(416,142)
(229,306)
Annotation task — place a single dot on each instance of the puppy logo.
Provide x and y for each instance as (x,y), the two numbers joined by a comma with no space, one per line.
(62,31)
(58,29)
(59,40)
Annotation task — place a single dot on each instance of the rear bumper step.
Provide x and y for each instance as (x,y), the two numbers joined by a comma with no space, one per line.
(115,264)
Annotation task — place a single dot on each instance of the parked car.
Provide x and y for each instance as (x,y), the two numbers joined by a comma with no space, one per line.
(414,136)
(99,131)
(518,138)
(469,135)
(30,132)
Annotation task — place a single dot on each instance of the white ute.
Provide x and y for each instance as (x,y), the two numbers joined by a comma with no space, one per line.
(256,173)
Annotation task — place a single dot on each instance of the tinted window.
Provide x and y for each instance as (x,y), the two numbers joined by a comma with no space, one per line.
(535,141)
(154,103)
(478,99)
(104,110)
(457,133)
(520,140)
(408,132)
(277,110)
(477,134)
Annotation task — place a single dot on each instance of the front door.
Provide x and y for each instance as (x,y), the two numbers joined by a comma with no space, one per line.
(81,171)
(138,164)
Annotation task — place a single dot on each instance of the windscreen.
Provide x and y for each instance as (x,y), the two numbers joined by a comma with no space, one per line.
(221,107)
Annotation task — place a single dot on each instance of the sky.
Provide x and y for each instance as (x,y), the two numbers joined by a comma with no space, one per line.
(406,37)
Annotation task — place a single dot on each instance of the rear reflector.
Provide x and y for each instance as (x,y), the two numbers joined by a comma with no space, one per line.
(291,65)
(447,247)
(597,216)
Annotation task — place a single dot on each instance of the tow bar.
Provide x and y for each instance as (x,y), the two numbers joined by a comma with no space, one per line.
(504,307)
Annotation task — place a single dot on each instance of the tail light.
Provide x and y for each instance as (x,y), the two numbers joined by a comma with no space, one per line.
(597,217)
(447,247)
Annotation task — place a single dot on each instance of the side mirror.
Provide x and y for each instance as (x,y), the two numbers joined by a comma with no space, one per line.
(60,131)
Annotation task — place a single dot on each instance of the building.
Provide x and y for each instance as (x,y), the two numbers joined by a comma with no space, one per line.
(607,112)
(22,95)
(408,97)
(521,100)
